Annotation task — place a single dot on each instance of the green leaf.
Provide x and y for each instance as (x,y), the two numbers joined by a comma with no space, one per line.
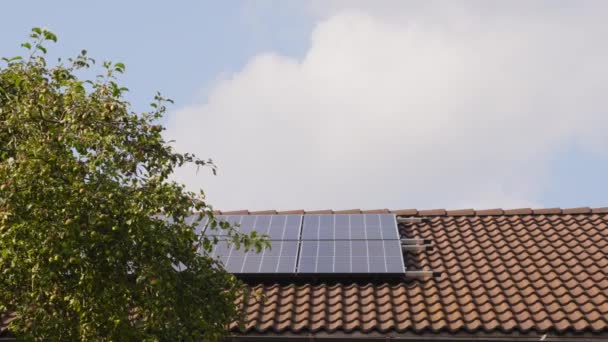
(48,35)
(12,59)
(27,45)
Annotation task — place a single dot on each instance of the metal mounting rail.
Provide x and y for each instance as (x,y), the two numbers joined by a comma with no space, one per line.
(416,241)
(409,220)
(422,274)
(417,248)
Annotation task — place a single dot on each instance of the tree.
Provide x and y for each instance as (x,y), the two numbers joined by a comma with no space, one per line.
(94,241)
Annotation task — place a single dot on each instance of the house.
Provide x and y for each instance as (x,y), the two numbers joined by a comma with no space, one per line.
(489,275)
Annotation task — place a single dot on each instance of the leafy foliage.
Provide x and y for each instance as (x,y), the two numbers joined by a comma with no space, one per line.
(94,241)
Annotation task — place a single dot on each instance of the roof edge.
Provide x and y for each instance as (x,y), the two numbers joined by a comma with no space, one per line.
(430,212)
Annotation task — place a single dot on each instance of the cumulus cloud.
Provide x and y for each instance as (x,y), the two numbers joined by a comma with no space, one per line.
(405,106)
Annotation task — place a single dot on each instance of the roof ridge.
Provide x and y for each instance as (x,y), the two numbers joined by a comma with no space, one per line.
(430,212)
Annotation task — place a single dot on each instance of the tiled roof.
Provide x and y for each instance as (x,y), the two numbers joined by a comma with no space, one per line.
(503,271)
(510,272)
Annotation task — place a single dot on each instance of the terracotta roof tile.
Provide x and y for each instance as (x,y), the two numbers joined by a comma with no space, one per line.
(263,212)
(348,211)
(405,212)
(581,210)
(375,211)
(461,212)
(490,212)
(296,212)
(521,211)
(504,271)
(432,212)
(547,211)
(327,211)
(235,212)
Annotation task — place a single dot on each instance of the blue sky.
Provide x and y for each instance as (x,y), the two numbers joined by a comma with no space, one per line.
(362,104)
(177,48)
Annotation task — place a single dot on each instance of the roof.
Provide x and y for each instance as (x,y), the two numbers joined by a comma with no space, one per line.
(519,273)
(504,272)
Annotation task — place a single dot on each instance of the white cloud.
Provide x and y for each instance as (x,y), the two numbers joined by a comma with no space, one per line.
(421,106)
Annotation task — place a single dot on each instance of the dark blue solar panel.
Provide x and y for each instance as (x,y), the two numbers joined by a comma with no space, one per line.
(342,227)
(281,258)
(310,229)
(293,226)
(372,227)
(325,222)
(261,223)
(278,227)
(388,225)
(222,251)
(350,227)
(200,226)
(351,256)
(394,264)
(283,232)
(357,227)
(350,243)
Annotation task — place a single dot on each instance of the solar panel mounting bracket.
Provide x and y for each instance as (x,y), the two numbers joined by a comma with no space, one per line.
(417,248)
(416,241)
(422,274)
(410,220)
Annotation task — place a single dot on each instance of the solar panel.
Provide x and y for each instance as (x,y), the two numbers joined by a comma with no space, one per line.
(350,227)
(350,243)
(278,227)
(281,257)
(351,256)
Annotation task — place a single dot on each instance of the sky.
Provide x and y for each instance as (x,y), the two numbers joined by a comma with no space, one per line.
(361,104)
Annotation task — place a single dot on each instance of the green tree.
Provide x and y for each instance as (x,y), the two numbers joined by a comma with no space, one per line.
(94,238)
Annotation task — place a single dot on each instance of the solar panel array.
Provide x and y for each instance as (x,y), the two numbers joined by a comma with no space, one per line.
(313,244)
